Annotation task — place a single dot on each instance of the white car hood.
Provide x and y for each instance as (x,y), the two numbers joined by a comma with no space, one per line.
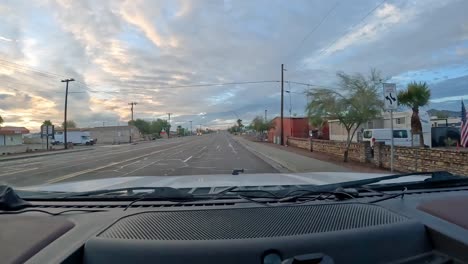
(197,181)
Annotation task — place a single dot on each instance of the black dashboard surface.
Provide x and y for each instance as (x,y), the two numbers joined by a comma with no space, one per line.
(398,230)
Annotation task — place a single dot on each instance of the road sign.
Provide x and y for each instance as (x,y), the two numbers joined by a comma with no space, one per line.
(390,96)
(47,131)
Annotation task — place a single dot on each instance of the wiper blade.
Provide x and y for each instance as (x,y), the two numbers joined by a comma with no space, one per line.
(157,192)
(435,176)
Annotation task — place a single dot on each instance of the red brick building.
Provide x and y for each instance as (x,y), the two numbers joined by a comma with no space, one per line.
(293,127)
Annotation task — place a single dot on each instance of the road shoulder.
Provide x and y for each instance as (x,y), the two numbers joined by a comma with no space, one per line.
(41,154)
(286,161)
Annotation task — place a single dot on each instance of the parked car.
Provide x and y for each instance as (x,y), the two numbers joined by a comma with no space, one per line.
(401,137)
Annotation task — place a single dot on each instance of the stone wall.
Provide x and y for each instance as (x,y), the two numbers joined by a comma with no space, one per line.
(303,143)
(412,159)
(357,151)
(407,159)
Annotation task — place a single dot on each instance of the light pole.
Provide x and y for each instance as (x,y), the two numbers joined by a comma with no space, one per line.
(131,109)
(191,133)
(65,112)
(282,104)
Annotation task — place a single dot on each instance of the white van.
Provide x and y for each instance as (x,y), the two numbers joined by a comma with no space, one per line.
(401,136)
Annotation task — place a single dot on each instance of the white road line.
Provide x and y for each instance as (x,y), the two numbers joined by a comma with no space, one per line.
(187,159)
(19,171)
(233,150)
(218,148)
(78,173)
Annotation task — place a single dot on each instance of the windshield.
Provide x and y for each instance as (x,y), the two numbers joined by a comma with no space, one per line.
(367,134)
(208,94)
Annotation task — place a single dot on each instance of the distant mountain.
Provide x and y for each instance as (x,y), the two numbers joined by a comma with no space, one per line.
(448,113)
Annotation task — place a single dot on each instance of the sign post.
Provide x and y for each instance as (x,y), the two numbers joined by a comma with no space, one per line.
(47,131)
(391,103)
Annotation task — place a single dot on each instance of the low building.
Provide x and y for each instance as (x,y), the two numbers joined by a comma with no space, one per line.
(445,122)
(292,127)
(11,136)
(110,134)
(115,134)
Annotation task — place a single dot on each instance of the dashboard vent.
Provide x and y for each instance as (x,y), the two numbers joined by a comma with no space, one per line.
(242,223)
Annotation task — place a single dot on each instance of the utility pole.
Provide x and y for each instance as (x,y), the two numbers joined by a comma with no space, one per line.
(191,128)
(65,113)
(169,121)
(282,104)
(131,109)
(266,115)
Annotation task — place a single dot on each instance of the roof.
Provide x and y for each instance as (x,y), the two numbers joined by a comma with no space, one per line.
(293,117)
(10,130)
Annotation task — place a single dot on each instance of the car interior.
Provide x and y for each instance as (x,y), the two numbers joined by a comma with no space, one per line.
(414,226)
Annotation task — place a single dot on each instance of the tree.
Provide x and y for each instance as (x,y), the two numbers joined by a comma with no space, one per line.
(180,131)
(47,123)
(70,124)
(142,125)
(260,125)
(357,102)
(157,126)
(1,120)
(415,96)
(239,123)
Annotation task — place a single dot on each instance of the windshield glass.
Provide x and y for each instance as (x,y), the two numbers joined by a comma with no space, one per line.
(202,94)
(367,134)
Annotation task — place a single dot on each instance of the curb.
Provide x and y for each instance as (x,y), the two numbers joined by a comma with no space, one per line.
(42,155)
(278,165)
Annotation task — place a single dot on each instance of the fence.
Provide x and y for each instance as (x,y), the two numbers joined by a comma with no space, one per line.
(407,159)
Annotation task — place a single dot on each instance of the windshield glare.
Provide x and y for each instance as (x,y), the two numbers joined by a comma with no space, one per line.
(210,94)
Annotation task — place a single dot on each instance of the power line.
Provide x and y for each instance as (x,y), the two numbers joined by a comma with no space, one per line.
(28,68)
(315,28)
(360,21)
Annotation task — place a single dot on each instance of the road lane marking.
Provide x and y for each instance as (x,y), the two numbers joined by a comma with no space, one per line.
(233,150)
(19,171)
(78,173)
(187,159)
(218,148)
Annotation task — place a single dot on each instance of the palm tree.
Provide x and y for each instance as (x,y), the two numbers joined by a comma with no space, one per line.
(415,96)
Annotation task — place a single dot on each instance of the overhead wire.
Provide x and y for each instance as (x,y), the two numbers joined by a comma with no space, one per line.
(337,3)
(360,21)
(347,32)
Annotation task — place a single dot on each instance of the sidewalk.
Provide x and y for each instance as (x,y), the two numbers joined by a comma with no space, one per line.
(286,161)
(41,153)
(290,159)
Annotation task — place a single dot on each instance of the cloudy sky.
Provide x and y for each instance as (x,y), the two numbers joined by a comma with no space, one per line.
(151,52)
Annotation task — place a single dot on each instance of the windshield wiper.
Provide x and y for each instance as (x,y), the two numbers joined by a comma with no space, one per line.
(161,193)
(436,176)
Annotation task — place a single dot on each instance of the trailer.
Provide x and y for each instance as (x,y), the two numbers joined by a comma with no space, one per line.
(74,137)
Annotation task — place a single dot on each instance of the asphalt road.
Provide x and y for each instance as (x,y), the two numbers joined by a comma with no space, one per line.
(196,155)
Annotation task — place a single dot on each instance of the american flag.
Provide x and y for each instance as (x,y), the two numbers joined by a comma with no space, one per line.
(464,127)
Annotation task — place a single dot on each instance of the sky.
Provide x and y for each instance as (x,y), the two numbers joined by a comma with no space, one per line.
(154,52)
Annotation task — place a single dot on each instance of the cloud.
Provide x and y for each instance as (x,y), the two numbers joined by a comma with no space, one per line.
(140,51)
(132,12)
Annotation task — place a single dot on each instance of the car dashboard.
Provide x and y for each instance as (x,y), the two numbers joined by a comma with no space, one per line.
(423,226)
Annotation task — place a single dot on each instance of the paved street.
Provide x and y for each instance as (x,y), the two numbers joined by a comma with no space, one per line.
(207,154)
